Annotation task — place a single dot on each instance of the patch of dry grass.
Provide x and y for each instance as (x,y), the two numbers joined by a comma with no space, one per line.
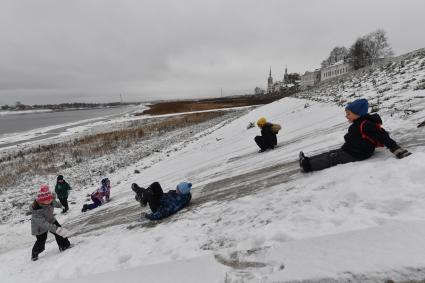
(49,159)
(209,104)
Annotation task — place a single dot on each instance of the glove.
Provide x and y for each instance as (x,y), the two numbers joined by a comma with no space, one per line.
(62,232)
(401,152)
(148,216)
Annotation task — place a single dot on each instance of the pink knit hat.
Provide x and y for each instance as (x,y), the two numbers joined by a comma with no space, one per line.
(44,196)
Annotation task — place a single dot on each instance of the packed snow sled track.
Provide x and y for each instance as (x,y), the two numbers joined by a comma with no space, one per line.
(226,189)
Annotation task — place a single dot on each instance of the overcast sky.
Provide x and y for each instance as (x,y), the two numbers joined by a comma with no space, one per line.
(54,51)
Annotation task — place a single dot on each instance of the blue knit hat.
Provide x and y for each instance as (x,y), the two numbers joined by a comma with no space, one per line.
(184,187)
(358,106)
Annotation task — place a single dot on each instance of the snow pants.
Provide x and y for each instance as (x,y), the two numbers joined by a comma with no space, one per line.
(64,202)
(39,245)
(264,143)
(152,196)
(96,203)
(329,159)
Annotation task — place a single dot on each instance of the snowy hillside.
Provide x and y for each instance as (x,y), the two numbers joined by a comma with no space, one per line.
(255,217)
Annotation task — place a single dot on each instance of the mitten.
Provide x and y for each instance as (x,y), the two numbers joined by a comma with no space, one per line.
(62,232)
(148,216)
(401,152)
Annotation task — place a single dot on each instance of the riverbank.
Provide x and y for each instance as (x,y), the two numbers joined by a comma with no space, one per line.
(101,151)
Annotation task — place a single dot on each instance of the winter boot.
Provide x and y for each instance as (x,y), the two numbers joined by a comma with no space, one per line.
(63,248)
(34,257)
(84,209)
(304,163)
(139,194)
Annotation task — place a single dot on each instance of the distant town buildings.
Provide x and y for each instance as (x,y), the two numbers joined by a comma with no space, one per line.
(289,81)
(310,79)
(337,69)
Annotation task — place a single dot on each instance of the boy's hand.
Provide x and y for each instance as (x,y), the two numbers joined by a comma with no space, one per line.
(401,152)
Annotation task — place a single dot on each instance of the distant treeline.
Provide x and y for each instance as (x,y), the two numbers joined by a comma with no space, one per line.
(62,106)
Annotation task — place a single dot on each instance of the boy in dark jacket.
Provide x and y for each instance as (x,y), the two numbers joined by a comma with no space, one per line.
(163,205)
(61,189)
(364,134)
(43,221)
(268,139)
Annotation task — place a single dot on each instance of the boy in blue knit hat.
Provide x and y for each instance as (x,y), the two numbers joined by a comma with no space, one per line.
(163,205)
(364,135)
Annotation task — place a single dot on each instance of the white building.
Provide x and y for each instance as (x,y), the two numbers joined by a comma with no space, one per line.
(335,70)
(310,78)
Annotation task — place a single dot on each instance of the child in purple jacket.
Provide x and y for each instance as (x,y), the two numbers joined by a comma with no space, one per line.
(99,196)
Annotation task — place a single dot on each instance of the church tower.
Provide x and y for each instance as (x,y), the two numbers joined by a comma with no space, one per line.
(286,77)
(270,82)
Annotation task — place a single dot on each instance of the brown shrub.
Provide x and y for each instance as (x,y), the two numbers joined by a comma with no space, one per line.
(47,159)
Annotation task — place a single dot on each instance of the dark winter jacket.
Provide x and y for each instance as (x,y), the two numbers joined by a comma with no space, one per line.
(268,135)
(361,148)
(62,189)
(42,219)
(170,203)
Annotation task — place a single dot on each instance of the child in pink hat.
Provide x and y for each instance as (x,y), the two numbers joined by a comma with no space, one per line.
(43,221)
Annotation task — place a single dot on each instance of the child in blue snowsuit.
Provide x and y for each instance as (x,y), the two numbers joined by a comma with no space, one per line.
(163,204)
(99,196)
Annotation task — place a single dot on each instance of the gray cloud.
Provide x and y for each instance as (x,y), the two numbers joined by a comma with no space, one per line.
(62,51)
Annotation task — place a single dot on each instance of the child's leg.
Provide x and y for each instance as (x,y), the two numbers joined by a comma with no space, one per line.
(259,140)
(329,159)
(93,205)
(152,195)
(156,189)
(39,245)
(63,243)
(64,202)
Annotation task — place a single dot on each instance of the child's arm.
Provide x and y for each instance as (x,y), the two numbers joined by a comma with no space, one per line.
(383,137)
(107,193)
(379,134)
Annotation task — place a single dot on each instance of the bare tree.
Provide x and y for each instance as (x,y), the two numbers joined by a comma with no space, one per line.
(369,48)
(337,54)
(379,46)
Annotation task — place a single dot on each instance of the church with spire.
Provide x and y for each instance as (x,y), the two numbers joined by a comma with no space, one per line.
(286,83)
(270,82)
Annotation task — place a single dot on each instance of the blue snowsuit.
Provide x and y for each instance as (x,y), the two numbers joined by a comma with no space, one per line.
(169,203)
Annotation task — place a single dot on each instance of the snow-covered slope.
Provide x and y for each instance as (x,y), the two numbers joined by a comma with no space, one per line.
(254,217)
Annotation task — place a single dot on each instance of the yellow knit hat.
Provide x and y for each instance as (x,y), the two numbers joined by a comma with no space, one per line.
(261,122)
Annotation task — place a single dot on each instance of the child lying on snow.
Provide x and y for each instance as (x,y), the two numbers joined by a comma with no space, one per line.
(163,205)
(97,196)
(364,134)
(43,221)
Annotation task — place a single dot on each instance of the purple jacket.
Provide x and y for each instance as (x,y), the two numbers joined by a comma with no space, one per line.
(102,192)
